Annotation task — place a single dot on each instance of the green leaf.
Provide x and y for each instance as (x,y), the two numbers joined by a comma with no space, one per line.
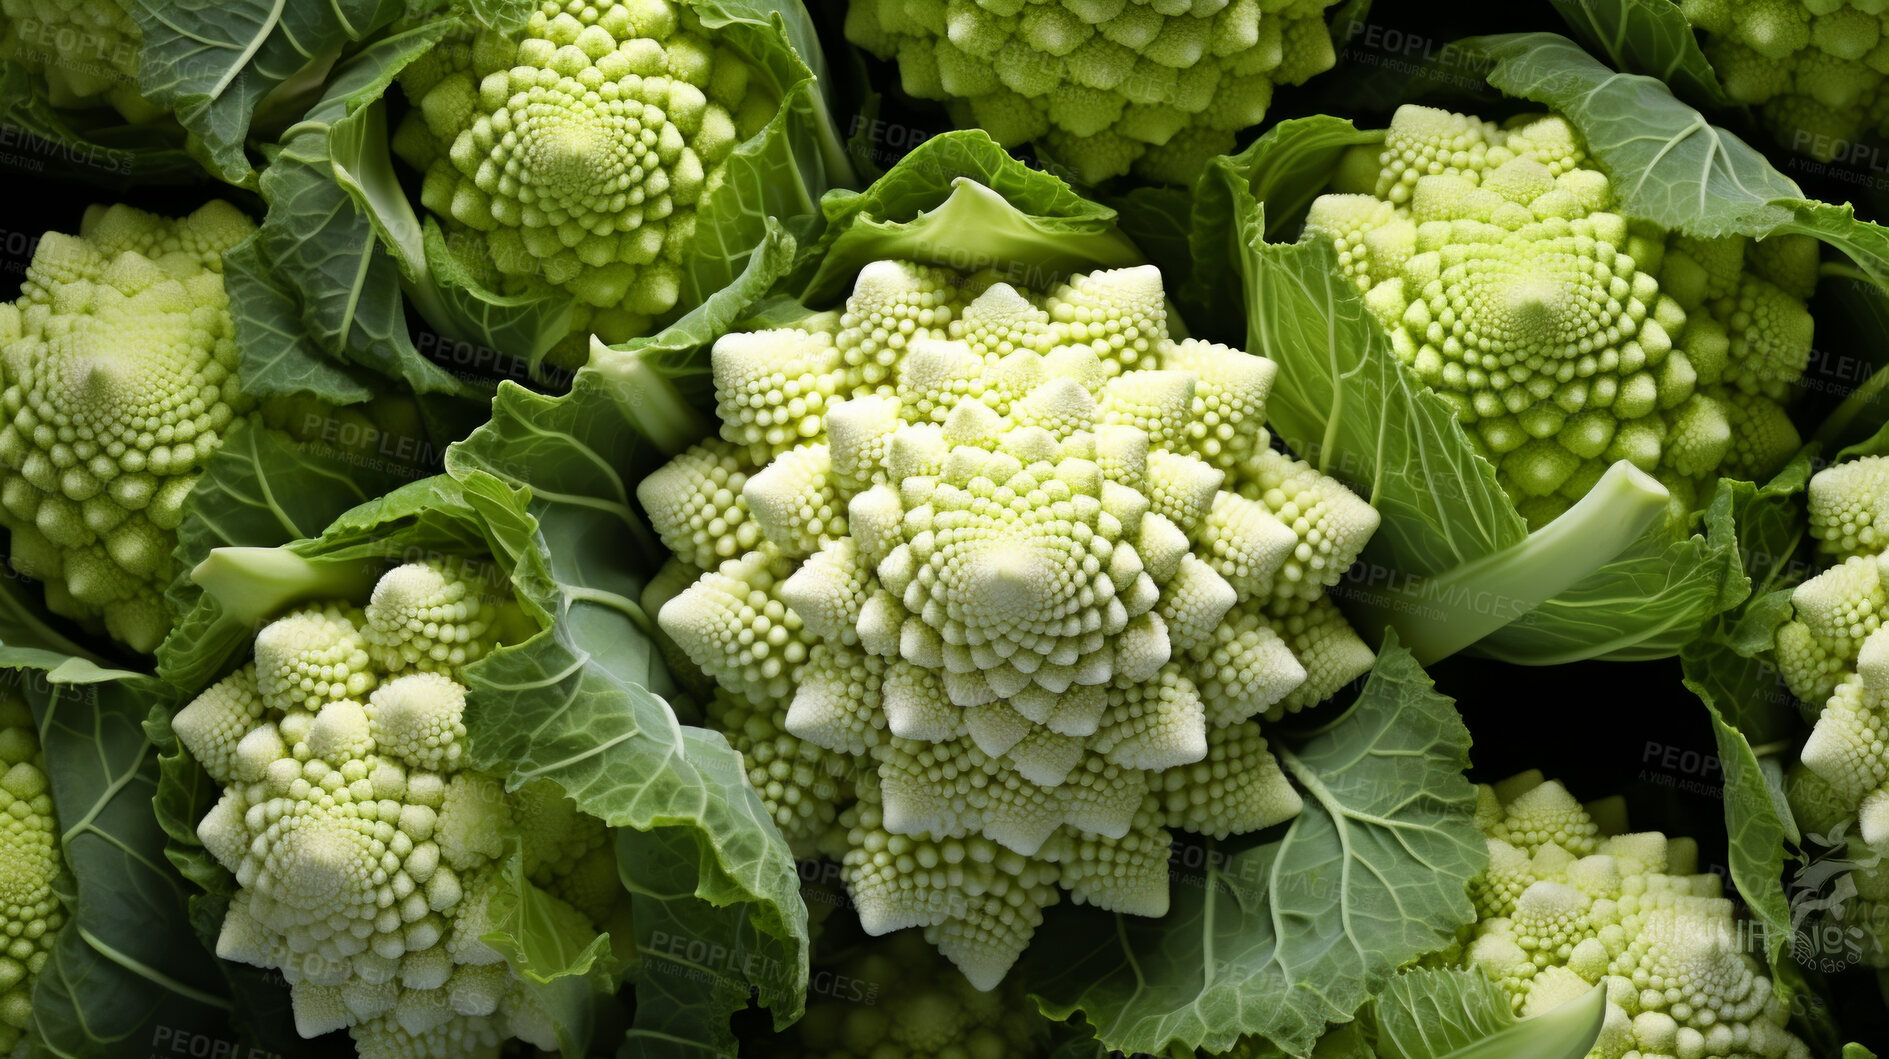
(126,974)
(961,201)
(1429,1012)
(1277,938)
(1648,37)
(563,963)
(1283,171)
(1731,669)
(320,271)
(1857,1051)
(780,173)
(582,704)
(1646,602)
(278,356)
(1343,400)
(700,959)
(528,325)
(213,62)
(1670,166)
(1461,1014)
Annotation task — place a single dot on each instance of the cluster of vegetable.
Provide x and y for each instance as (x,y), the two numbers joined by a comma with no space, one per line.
(928,531)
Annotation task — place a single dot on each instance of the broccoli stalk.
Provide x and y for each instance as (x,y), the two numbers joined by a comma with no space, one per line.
(256,583)
(1439,616)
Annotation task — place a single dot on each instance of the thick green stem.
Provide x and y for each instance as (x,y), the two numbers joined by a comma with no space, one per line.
(1441,615)
(258,583)
(648,399)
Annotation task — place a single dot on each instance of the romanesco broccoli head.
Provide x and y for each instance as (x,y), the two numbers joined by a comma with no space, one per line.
(365,847)
(1814,70)
(1159,86)
(83,52)
(1565,907)
(574,154)
(1562,335)
(30,911)
(118,381)
(902,1002)
(1832,652)
(1016,573)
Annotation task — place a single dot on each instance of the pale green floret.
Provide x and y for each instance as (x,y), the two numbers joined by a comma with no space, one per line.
(30,911)
(1814,68)
(1032,558)
(573,154)
(921,1008)
(364,850)
(1151,85)
(84,52)
(1849,508)
(118,382)
(1832,652)
(1567,905)
(1564,337)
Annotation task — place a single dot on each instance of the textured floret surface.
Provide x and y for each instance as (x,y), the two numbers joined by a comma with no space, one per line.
(1566,907)
(573,155)
(30,910)
(1106,86)
(1564,337)
(366,850)
(1835,657)
(118,381)
(995,586)
(1814,70)
(83,53)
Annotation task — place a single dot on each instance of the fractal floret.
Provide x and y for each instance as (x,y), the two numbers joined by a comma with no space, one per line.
(30,910)
(1833,654)
(1566,906)
(118,377)
(1018,570)
(366,850)
(573,154)
(1564,337)
(1159,86)
(901,1001)
(1813,69)
(83,52)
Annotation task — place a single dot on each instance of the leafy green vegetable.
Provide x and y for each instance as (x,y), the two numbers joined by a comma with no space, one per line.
(1452,542)
(346,252)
